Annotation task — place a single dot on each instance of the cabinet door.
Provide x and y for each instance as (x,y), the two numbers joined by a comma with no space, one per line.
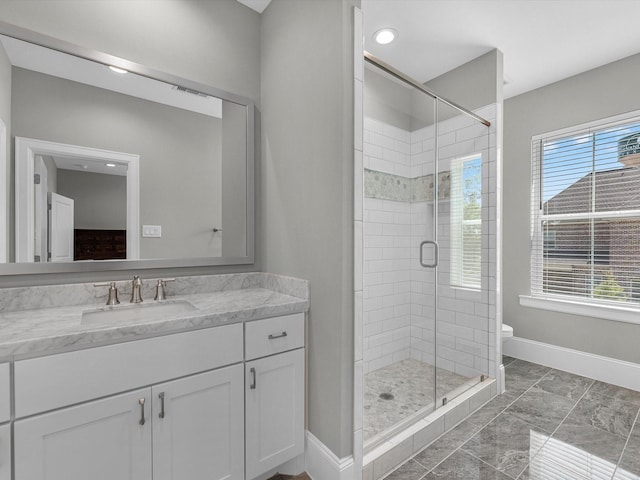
(274,398)
(198,427)
(5,452)
(103,440)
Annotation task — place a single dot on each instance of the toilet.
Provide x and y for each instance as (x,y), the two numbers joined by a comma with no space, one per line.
(507,331)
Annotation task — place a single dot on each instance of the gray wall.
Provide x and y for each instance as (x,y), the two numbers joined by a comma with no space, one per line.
(234,173)
(180,154)
(213,42)
(599,93)
(307,190)
(5,115)
(100,201)
(473,84)
(385,100)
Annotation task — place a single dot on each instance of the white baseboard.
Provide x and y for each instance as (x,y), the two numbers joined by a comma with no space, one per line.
(605,369)
(323,464)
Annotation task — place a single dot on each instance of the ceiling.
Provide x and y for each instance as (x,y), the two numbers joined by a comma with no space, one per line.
(543,41)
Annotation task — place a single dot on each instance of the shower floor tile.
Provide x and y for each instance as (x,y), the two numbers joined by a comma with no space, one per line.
(393,393)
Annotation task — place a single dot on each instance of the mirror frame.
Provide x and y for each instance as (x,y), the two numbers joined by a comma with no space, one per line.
(115,265)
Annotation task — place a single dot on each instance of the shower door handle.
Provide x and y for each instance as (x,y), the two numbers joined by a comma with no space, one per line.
(435,253)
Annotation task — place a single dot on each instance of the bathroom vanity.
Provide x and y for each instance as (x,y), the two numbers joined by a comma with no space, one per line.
(216,392)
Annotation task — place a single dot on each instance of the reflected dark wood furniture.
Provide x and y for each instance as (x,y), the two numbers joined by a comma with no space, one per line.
(100,244)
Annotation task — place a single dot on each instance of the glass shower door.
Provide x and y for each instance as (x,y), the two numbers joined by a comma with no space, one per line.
(425,307)
(461,339)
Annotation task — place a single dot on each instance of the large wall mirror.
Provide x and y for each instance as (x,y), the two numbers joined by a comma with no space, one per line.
(111,165)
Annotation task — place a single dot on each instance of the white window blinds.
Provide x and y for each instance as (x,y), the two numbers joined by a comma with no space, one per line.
(466,223)
(586,214)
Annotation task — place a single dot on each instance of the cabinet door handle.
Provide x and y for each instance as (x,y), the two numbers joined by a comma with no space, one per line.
(161,396)
(142,420)
(273,337)
(253,383)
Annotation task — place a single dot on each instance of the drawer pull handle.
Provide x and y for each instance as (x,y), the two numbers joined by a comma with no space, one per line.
(253,382)
(142,420)
(161,396)
(273,337)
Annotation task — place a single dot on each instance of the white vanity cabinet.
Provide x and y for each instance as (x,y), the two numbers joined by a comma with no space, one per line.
(187,428)
(5,426)
(222,403)
(198,427)
(274,392)
(100,440)
(198,433)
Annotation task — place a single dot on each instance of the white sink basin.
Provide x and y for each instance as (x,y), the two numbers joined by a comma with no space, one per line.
(137,313)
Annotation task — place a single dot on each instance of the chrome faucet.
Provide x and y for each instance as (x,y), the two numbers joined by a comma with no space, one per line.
(136,290)
(113,292)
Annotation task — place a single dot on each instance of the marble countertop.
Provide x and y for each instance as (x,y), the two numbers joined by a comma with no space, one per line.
(49,330)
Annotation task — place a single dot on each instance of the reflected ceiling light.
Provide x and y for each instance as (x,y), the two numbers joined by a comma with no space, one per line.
(117,70)
(385,36)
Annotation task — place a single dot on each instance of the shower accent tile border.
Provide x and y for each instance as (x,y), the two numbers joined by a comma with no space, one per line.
(388,186)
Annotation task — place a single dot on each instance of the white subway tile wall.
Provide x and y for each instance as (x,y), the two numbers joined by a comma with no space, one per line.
(398,295)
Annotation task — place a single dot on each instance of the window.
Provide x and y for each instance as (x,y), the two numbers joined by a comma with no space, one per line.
(466,223)
(586,214)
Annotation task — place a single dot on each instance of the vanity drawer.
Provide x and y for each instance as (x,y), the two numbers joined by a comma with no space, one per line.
(5,393)
(47,383)
(273,335)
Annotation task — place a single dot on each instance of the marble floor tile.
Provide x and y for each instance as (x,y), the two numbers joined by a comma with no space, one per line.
(410,470)
(492,409)
(630,461)
(462,466)
(558,459)
(531,369)
(594,441)
(506,360)
(521,375)
(624,394)
(541,409)
(565,384)
(393,393)
(607,413)
(549,425)
(445,445)
(504,444)
(552,471)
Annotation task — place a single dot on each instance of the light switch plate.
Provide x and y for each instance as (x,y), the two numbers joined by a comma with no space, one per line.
(152,231)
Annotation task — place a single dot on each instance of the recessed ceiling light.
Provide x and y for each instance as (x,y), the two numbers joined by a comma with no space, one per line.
(385,36)
(117,70)
(110,164)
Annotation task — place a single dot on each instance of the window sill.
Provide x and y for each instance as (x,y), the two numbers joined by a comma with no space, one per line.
(608,312)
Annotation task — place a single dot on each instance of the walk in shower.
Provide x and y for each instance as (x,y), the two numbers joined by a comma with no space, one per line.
(429,251)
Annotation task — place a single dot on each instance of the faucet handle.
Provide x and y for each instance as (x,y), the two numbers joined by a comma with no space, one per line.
(161,293)
(113,292)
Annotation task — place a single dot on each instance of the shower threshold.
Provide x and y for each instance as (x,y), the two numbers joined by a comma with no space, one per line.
(387,450)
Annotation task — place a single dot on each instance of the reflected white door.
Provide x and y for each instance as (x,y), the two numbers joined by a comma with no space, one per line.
(41,213)
(60,228)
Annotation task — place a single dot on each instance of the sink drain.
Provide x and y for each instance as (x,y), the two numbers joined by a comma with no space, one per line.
(386,396)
